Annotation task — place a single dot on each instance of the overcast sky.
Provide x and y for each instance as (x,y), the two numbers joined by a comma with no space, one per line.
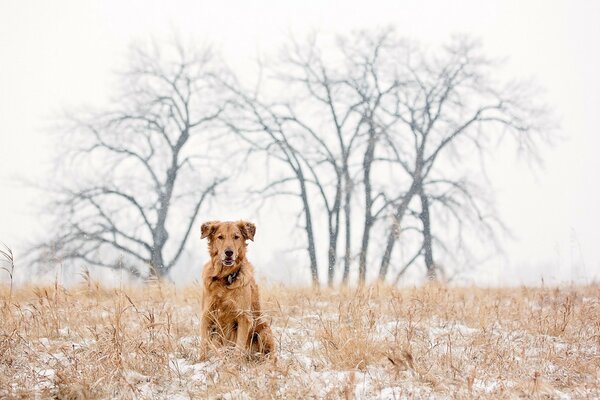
(62,54)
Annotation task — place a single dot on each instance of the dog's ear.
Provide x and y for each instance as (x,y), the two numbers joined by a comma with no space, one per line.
(208,228)
(248,229)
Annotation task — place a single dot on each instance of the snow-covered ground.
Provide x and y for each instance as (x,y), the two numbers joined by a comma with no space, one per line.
(423,343)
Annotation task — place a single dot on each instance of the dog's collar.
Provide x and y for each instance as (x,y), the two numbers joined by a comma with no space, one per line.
(229,279)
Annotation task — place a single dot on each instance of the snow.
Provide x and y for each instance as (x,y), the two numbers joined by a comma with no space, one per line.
(487,386)
(310,345)
(134,377)
(236,395)
(405,393)
(301,356)
(199,372)
(45,378)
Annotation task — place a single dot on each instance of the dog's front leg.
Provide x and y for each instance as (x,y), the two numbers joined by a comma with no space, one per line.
(243,331)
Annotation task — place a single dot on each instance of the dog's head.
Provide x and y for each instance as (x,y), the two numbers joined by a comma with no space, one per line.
(227,240)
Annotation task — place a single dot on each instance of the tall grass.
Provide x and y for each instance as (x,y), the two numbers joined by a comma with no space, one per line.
(92,342)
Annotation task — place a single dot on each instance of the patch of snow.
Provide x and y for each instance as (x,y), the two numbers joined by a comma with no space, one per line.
(179,396)
(486,386)
(304,361)
(237,394)
(46,377)
(54,358)
(391,393)
(406,392)
(83,344)
(180,366)
(134,377)
(203,370)
(311,345)
(47,373)
(189,341)
(491,385)
(145,391)
(387,330)
(561,395)
(64,332)
(199,372)
(290,331)
(362,387)
(443,327)
(326,381)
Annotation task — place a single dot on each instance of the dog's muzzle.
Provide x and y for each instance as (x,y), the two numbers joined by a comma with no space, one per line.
(228,262)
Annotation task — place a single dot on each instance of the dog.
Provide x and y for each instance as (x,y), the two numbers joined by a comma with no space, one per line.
(231,312)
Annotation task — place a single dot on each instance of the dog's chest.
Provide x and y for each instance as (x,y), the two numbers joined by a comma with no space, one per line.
(224,307)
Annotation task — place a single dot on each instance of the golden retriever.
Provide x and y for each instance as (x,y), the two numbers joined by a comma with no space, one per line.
(231,313)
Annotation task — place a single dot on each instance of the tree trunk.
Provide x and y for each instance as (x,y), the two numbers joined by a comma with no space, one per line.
(331,258)
(395,228)
(157,269)
(160,234)
(368,222)
(312,254)
(334,231)
(427,240)
(347,221)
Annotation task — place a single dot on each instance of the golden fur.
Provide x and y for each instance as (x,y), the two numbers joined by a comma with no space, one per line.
(231,313)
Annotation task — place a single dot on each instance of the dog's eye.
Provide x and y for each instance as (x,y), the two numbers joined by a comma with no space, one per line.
(236,237)
(220,237)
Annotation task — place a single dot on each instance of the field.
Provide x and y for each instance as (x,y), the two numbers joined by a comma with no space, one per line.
(430,342)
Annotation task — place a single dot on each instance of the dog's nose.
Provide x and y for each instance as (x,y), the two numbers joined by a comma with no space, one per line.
(228,253)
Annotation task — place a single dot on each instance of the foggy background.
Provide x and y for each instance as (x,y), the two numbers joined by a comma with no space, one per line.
(62,56)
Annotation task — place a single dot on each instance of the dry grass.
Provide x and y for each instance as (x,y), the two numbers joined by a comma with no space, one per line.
(435,341)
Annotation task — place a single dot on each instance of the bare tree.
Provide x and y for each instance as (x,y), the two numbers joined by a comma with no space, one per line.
(366,127)
(373,99)
(450,105)
(322,85)
(261,128)
(372,83)
(332,110)
(465,217)
(316,127)
(149,153)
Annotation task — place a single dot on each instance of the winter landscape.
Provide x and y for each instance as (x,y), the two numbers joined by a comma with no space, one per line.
(376,343)
(414,183)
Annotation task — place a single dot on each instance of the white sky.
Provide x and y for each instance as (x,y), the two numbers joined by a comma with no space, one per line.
(61,54)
